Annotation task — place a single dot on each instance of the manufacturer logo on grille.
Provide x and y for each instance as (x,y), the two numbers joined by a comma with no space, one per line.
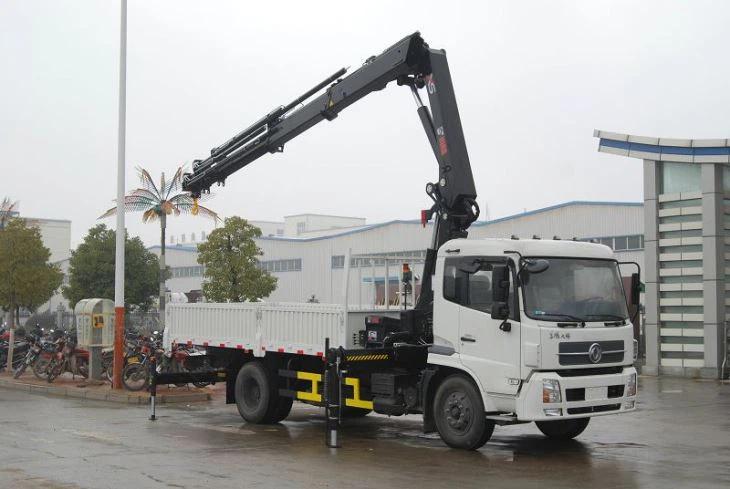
(595,353)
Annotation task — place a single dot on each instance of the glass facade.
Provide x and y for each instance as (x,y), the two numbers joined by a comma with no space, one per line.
(680,177)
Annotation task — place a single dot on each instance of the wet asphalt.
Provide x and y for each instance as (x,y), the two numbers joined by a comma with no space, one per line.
(679,437)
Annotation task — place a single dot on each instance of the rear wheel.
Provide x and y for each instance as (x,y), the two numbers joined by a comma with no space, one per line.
(563,429)
(257,399)
(459,414)
(282,410)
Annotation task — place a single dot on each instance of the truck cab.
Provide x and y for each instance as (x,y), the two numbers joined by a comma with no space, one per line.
(541,327)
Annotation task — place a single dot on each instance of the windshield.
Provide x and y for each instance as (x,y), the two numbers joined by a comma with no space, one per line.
(575,290)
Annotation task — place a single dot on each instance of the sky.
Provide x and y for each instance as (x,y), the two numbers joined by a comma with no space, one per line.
(532,80)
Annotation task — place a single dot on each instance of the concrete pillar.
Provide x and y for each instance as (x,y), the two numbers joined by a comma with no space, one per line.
(713,264)
(651,267)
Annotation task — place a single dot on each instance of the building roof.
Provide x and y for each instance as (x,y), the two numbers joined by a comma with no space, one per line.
(370,227)
(664,149)
(325,215)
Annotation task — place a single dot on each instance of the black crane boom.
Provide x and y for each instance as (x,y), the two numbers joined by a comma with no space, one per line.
(409,62)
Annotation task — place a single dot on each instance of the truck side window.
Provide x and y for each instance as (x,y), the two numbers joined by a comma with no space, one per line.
(473,290)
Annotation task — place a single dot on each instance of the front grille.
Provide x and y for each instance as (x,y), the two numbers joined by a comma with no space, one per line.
(594,409)
(576,352)
(579,372)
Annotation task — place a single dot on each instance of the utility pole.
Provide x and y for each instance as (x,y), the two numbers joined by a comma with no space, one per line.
(121,232)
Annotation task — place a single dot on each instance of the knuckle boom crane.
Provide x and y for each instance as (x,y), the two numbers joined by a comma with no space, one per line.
(412,63)
(484,345)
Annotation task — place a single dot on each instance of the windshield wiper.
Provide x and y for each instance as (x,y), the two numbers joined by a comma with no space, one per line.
(568,317)
(614,317)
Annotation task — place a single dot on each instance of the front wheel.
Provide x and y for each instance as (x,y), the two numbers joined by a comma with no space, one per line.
(134,376)
(459,414)
(563,429)
(40,368)
(19,371)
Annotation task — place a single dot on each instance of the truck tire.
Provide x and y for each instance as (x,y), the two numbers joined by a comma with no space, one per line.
(257,397)
(282,410)
(563,429)
(459,414)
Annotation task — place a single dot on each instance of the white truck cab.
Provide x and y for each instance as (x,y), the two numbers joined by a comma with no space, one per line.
(562,347)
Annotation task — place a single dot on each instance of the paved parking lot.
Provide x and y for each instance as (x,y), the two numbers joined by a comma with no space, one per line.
(680,437)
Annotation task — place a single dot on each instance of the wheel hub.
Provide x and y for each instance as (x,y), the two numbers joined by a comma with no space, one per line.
(458,411)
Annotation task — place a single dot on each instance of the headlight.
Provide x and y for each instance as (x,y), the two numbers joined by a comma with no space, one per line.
(630,386)
(551,391)
(636,350)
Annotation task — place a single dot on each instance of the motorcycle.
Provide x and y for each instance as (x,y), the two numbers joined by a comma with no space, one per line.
(48,351)
(136,373)
(19,351)
(31,356)
(68,358)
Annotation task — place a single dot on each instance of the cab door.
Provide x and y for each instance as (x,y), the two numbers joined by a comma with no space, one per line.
(491,353)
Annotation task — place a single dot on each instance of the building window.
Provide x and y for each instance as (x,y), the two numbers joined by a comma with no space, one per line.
(172,239)
(634,242)
(280,232)
(301,226)
(182,238)
(620,243)
(338,261)
(182,272)
(192,237)
(680,177)
(726,179)
(202,235)
(291,265)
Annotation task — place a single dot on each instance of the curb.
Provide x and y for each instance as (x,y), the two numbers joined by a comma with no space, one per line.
(98,395)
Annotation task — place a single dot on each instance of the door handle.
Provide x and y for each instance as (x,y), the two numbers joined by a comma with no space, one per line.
(469,339)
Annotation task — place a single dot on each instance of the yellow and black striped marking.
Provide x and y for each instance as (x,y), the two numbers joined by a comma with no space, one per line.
(367,357)
(313,395)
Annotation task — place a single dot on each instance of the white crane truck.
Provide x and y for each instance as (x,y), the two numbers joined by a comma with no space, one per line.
(505,331)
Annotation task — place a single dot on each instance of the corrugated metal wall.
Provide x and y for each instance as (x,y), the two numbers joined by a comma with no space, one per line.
(320,279)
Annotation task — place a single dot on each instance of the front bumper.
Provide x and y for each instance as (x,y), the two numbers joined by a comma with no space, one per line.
(581,396)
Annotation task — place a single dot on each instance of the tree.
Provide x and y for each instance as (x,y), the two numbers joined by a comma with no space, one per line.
(157,203)
(91,270)
(230,257)
(28,280)
(8,208)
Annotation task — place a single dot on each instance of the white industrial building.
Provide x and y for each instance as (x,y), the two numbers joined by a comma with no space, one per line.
(309,258)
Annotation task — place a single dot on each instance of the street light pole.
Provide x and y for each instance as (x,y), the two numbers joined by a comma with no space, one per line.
(120,232)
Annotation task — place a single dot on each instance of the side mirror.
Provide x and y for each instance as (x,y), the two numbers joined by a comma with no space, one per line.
(500,292)
(635,289)
(536,266)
